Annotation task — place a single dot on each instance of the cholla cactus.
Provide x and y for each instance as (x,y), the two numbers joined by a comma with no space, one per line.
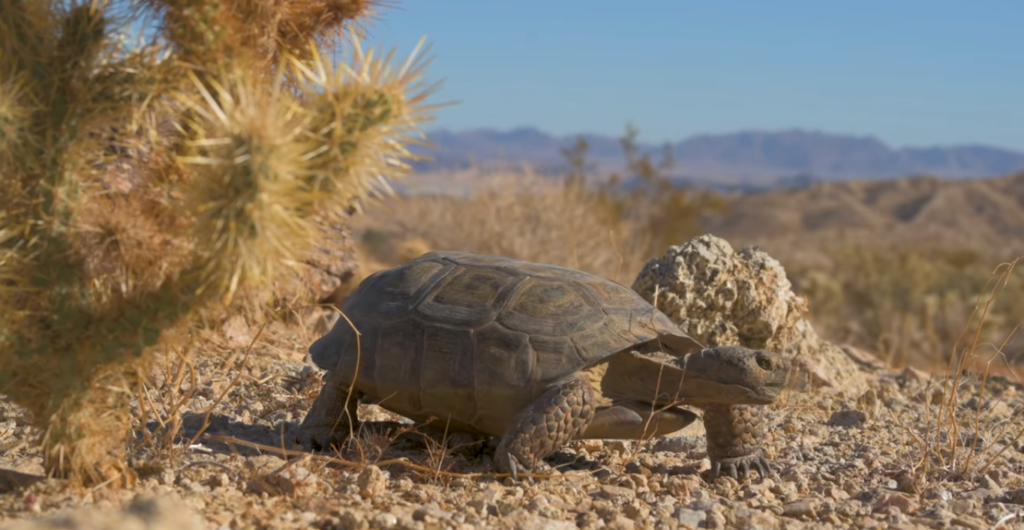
(142,185)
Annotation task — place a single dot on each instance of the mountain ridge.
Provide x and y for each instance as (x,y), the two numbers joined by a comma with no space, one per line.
(747,157)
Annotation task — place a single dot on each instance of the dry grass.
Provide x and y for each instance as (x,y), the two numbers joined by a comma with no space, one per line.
(961,437)
(521,216)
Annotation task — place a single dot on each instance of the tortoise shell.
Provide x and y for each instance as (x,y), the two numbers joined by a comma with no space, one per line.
(475,338)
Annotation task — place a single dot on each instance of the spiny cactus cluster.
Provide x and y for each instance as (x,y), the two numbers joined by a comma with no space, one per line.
(144,184)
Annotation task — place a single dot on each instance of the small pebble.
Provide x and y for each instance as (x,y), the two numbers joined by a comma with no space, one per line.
(371,482)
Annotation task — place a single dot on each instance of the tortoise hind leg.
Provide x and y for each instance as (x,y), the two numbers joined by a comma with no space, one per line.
(554,418)
(330,421)
(633,420)
(734,434)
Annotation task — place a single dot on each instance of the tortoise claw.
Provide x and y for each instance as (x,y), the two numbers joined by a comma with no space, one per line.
(763,467)
(513,467)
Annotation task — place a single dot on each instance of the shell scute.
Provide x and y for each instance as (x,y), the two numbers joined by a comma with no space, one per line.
(391,293)
(468,296)
(449,370)
(397,362)
(555,357)
(503,357)
(548,307)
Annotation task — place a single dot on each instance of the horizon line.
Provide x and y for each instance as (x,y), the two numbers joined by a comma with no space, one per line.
(797,129)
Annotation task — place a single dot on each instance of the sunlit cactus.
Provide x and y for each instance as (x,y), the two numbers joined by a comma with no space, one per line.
(143,185)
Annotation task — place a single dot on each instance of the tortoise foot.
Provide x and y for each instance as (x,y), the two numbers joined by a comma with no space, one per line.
(509,464)
(333,416)
(544,426)
(320,439)
(740,466)
(734,434)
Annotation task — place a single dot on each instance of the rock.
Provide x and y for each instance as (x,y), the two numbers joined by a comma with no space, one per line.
(869,403)
(371,482)
(621,522)
(748,518)
(686,445)
(619,447)
(933,396)
(681,487)
(941,494)
(167,477)
(988,483)
(615,493)
(295,480)
(142,513)
(720,296)
(994,407)
(219,480)
(636,510)
(862,358)
(803,508)
(715,520)
(385,520)
(482,507)
(353,520)
(911,374)
(430,511)
(687,517)
(528,521)
(847,418)
(236,332)
(823,364)
(965,505)
(901,501)
(973,523)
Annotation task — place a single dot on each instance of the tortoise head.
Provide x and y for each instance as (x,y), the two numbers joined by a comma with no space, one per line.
(724,375)
(733,375)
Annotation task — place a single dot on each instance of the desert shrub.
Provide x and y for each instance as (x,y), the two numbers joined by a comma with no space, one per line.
(910,304)
(144,186)
(660,211)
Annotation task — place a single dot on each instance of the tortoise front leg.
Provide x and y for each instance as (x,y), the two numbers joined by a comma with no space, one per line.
(329,421)
(734,433)
(544,426)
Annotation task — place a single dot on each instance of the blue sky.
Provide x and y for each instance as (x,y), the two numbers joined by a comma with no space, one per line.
(911,72)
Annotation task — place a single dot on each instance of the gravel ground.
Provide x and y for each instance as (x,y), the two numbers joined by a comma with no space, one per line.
(867,461)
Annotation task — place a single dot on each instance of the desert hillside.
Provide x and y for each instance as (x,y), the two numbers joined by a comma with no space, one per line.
(974,213)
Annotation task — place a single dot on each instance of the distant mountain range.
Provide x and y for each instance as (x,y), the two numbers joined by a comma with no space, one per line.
(748,158)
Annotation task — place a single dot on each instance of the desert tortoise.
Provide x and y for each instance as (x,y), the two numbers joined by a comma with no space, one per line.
(536,355)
